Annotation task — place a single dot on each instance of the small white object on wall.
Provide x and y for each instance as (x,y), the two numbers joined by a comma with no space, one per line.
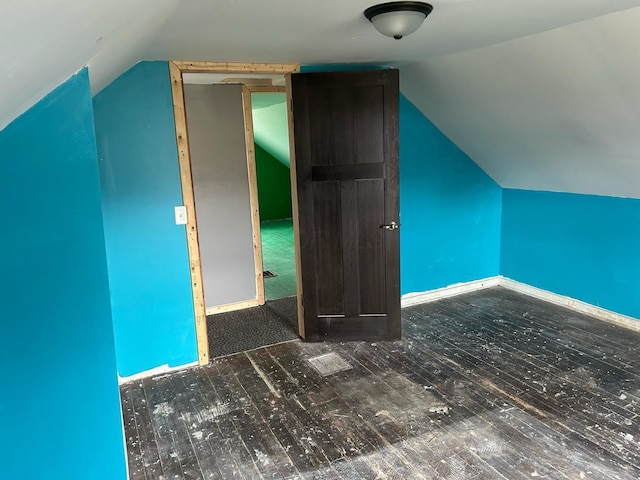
(181,215)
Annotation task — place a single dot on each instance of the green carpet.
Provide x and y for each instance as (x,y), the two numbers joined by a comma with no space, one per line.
(278,257)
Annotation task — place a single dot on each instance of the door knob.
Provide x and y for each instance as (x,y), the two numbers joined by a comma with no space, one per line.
(391,226)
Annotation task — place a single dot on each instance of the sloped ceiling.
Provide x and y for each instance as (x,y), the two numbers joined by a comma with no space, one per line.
(44,42)
(270,124)
(556,111)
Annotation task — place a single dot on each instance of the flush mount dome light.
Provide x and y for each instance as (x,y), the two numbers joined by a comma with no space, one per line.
(397,19)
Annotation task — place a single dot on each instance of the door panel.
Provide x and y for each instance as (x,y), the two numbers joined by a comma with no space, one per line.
(346,150)
(371,263)
(351,108)
(328,231)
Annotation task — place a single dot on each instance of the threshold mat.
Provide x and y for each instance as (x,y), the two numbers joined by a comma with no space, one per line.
(234,332)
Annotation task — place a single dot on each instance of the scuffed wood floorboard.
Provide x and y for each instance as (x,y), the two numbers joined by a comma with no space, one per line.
(487,385)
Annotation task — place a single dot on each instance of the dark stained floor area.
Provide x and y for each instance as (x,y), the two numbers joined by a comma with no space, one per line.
(491,384)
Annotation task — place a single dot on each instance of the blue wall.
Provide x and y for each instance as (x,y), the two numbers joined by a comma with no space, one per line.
(450,214)
(450,209)
(59,402)
(147,255)
(582,246)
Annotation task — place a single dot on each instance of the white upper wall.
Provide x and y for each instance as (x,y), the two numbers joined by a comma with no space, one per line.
(553,111)
(556,111)
(44,42)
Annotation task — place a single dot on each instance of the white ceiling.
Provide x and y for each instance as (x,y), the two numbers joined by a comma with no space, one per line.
(557,111)
(44,42)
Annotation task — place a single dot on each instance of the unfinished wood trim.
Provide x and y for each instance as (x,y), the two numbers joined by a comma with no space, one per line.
(188,199)
(253,193)
(265,89)
(230,307)
(417,298)
(571,303)
(176,69)
(233,67)
(294,208)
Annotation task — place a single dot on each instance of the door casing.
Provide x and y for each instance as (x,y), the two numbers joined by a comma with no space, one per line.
(176,69)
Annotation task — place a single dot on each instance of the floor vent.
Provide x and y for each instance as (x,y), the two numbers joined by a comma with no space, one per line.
(329,364)
(268,274)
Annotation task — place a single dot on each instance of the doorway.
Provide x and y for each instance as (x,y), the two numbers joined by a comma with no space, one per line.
(222,206)
(273,161)
(344,187)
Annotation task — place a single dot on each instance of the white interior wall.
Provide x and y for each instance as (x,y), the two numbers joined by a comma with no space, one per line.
(215,122)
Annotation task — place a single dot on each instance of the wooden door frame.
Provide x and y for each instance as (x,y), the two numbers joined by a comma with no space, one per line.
(176,69)
(247,90)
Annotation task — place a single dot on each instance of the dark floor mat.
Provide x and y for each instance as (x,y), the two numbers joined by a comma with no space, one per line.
(233,332)
(287,310)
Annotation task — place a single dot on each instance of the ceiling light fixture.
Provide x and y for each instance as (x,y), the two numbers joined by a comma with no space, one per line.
(397,19)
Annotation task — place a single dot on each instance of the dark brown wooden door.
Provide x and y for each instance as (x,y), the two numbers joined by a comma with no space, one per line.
(346,157)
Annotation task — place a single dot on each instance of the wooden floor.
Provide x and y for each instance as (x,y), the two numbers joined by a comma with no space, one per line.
(487,385)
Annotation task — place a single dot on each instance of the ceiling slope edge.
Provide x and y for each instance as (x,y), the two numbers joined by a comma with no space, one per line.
(557,111)
(50,41)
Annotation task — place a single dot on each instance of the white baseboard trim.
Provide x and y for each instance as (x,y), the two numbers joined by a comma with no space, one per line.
(416,298)
(155,371)
(572,303)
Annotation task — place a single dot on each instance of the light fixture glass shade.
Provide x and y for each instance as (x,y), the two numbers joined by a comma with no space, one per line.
(397,19)
(398,24)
